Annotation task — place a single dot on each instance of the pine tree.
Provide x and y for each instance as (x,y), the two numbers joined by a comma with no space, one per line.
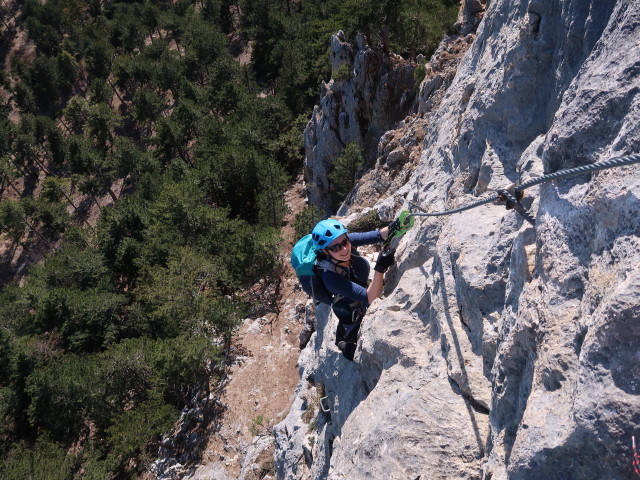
(345,169)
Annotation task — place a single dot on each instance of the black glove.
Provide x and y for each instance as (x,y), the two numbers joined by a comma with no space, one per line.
(385,260)
(394,227)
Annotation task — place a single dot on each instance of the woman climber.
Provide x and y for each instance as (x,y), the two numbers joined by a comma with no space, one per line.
(345,275)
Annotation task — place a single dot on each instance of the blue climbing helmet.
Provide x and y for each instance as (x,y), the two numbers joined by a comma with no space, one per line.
(325,232)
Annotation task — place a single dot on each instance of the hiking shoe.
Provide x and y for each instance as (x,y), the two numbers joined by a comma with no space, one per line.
(348,349)
(304,337)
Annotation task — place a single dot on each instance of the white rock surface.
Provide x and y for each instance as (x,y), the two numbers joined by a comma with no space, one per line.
(502,350)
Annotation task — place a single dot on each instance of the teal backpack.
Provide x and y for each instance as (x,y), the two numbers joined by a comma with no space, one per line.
(303,261)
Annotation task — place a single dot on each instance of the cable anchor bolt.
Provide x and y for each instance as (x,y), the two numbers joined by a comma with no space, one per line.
(511,199)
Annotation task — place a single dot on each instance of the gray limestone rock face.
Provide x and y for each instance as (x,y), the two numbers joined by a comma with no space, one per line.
(258,453)
(502,350)
(378,92)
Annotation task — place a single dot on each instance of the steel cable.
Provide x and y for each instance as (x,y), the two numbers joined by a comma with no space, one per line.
(594,167)
(492,199)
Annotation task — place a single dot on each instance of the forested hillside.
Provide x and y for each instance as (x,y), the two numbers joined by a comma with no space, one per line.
(142,168)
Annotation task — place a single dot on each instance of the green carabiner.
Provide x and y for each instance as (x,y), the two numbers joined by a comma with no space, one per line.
(400,226)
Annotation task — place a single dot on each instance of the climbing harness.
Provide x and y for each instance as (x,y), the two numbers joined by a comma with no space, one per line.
(512,195)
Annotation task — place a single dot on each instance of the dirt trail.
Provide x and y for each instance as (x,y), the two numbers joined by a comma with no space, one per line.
(259,391)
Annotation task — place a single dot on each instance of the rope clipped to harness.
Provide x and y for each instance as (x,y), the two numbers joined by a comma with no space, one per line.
(512,195)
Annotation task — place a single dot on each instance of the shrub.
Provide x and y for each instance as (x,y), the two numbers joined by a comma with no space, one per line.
(259,426)
(345,170)
(343,73)
(418,74)
(133,430)
(267,466)
(60,394)
(369,221)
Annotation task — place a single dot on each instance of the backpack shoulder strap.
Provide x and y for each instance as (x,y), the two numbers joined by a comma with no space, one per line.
(325,265)
(329,266)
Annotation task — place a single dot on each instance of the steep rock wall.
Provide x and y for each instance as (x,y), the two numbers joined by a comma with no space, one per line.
(370,95)
(501,350)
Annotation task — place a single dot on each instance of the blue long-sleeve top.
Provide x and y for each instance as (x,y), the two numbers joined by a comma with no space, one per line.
(353,286)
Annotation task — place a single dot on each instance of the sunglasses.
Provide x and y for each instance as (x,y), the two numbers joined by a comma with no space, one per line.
(339,246)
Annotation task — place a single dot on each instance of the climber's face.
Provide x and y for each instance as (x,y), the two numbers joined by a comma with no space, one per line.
(340,248)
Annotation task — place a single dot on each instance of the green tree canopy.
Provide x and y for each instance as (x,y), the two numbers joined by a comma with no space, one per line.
(345,169)
(145,166)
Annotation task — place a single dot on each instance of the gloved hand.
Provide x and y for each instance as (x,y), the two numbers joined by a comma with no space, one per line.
(384,261)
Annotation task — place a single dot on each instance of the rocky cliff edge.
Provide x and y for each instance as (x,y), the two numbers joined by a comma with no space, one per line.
(501,350)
